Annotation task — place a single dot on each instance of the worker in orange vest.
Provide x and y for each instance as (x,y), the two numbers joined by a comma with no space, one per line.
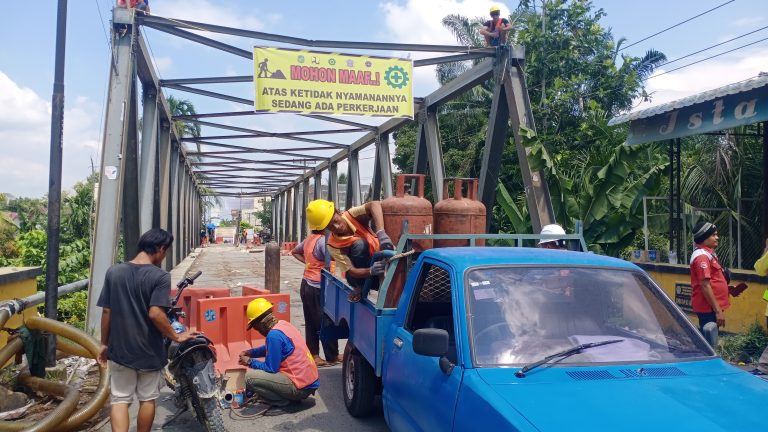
(312,253)
(496,29)
(288,374)
(352,242)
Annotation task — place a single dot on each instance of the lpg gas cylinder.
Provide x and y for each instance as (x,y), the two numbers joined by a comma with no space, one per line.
(417,210)
(459,214)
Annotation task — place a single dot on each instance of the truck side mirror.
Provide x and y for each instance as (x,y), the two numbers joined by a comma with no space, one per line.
(711,334)
(430,342)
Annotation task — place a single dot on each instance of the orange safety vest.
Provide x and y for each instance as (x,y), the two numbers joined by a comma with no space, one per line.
(313,266)
(361,233)
(299,366)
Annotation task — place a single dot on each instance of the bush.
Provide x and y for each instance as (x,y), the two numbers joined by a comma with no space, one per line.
(744,347)
(72,308)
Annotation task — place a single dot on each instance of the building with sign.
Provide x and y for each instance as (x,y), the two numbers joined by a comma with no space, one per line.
(714,112)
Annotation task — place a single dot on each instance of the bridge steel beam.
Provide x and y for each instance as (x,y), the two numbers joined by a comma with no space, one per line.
(354,197)
(155,21)
(275,218)
(297,200)
(130,208)
(164,179)
(302,211)
(173,202)
(148,158)
(289,225)
(333,184)
(434,148)
(111,176)
(318,187)
(384,164)
(511,103)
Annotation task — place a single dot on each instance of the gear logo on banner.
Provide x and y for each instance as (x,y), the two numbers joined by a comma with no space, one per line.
(396,77)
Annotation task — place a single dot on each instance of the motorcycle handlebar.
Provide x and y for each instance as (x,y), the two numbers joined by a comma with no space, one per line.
(183,284)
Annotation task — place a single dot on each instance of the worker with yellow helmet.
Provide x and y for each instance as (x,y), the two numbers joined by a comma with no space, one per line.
(352,243)
(496,29)
(312,253)
(288,374)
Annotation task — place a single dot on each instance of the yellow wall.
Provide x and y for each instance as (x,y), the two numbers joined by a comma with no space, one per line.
(17,282)
(745,309)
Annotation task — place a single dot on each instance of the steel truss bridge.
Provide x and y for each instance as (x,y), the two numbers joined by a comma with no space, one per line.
(156,178)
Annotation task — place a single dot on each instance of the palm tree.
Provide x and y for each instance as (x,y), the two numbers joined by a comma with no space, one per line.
(183,107)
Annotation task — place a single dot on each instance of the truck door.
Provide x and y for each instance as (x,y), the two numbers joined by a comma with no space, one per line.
(417,394)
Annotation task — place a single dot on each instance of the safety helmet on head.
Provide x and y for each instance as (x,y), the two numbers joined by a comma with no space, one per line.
(319,214)
(551,229)
(495,8)
(256,308)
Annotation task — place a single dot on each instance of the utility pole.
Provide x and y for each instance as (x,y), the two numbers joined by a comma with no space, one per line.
(54,181)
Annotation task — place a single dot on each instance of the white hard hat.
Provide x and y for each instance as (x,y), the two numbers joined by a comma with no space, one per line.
(551,229)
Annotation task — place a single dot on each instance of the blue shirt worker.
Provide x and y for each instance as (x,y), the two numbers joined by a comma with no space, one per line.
(288,374)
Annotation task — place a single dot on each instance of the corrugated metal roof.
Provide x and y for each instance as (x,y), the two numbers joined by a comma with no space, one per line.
(738,87)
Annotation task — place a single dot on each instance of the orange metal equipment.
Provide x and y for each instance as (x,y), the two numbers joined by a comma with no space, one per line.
(459,214)
(418,211)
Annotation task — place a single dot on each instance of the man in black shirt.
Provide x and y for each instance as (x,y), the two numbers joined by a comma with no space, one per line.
(496,29)
(134,299)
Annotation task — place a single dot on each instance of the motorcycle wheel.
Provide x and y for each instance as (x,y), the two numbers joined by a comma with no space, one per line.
(208,413)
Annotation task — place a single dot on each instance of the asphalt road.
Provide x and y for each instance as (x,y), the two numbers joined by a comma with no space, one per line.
(227,266)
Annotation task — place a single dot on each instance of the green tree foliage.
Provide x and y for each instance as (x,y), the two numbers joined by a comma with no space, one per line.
(725,172)
(265,215)
(603,188)
(8,230)
(577,79)
(33,213)
(27,246)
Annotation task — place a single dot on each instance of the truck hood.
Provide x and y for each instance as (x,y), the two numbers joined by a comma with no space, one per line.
(697,396)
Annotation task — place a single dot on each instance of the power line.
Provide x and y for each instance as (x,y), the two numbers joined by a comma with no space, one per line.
(709,58)
(715,46)
(103,26)
(677,25)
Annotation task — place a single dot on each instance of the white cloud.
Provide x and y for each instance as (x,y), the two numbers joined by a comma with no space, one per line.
(420,22)
(163,65)
(748,20)
(219,13)
(705,76)
(25,120)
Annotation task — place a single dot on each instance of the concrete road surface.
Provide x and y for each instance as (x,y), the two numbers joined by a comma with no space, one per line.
(228,266)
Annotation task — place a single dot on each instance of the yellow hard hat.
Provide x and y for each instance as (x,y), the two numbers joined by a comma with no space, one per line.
(257,308)
(319,214)
(495,8)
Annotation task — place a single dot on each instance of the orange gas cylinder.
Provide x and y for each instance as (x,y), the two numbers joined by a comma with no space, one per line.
(417,210)
(459,214)
(414,208)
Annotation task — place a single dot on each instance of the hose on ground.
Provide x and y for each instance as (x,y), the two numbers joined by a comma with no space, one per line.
(89,344)
(70,394)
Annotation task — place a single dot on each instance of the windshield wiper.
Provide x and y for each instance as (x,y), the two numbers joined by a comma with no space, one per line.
(563,354)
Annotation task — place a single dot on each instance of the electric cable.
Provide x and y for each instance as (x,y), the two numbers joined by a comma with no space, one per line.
(715,46)
(677,25)
(709,58)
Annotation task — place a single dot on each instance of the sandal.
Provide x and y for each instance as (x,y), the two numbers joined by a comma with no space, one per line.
(355,296)
(320,363)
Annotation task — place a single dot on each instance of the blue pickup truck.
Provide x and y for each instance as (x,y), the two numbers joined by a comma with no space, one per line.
(523,339)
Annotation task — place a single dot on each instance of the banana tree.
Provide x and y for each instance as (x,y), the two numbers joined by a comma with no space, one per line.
(604,190)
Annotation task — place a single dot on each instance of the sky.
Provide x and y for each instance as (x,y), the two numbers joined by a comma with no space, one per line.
(27,58)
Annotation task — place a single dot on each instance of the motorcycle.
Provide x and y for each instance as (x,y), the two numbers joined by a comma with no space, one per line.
(190,372)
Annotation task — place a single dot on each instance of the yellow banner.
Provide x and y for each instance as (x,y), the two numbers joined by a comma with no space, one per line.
(311,82)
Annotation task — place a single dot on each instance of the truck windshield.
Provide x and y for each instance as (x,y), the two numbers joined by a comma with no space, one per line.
(519,315)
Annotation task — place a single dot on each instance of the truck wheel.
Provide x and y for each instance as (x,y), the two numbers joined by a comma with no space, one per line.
(359,383)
